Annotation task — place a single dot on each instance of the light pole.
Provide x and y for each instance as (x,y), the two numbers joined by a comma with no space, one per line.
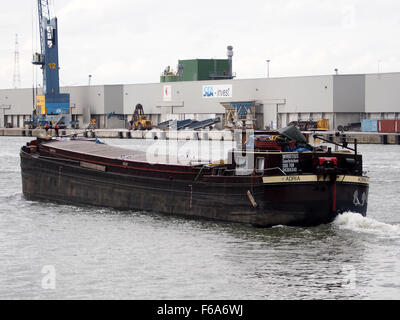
(268,61)
(90,79)
(337,71)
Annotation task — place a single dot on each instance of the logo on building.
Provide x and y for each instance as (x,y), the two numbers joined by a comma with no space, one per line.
(217,91)
(167,93)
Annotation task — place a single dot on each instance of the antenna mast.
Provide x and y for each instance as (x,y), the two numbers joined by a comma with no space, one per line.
(17,75)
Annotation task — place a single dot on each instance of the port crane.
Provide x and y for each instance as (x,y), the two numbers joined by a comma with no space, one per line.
(52,107)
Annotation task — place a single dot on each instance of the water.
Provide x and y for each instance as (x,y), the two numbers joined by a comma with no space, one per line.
(52,251)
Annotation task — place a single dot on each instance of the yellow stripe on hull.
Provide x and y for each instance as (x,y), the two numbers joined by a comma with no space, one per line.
(315,178)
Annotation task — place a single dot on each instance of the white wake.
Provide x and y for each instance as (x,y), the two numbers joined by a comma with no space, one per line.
(358,223)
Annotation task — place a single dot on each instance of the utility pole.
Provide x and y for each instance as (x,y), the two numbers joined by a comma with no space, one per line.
(17,75)
(268,61)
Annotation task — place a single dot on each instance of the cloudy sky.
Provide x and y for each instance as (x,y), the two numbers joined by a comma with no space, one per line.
(130,41)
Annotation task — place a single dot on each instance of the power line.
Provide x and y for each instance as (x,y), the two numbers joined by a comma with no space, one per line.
(17,74)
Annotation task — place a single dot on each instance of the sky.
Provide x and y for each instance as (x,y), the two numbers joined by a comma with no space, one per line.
(130,41)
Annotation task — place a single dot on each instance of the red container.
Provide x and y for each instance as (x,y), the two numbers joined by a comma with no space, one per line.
(266,144)
(398,126)
(387,126)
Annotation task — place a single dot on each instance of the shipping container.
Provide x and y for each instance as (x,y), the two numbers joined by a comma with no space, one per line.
(323,124)
(204,69)
(369,126)
(387,126)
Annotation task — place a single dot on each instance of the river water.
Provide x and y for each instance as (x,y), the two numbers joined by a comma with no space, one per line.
(53,251)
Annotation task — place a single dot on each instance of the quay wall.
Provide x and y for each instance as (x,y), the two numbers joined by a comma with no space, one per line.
(215,135)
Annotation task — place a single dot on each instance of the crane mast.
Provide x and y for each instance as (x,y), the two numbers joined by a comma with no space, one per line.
(52,106)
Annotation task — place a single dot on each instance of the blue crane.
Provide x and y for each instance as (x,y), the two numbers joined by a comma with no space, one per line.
(52,106)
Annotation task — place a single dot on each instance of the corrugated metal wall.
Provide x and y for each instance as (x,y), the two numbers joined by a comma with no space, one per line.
(369,125)
(387,126)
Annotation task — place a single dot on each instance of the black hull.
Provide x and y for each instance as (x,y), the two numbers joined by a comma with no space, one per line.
(299,204)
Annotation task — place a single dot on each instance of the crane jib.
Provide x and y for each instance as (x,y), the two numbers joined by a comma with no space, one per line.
(52,106)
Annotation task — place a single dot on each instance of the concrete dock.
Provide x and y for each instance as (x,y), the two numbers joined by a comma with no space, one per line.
(214,135)
(127,134)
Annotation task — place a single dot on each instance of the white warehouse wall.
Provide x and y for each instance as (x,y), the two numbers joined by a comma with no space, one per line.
(382,93)
(349,93)
(301,94)
(363,96)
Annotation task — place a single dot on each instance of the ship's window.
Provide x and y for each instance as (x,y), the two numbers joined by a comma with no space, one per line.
(260,165)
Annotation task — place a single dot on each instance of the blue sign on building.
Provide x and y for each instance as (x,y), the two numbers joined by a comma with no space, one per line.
(208,91)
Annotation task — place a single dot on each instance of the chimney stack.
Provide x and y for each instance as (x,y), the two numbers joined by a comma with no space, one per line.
(230,56)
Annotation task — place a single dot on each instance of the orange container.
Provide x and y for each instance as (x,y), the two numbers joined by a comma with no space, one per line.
(387,126)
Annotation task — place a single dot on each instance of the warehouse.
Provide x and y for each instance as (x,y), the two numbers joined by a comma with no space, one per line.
(382,98)
(342,99)
(16,105)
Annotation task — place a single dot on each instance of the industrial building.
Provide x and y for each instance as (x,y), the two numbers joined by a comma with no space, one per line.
(341,99)
(200,89)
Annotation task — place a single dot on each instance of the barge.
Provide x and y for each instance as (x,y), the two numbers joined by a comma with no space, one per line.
(290,183)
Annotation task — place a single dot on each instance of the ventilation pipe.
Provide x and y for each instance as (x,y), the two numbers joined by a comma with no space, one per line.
(230,56)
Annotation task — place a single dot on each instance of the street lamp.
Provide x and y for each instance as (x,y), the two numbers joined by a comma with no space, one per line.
(90,79)
(337,71)
(268,61)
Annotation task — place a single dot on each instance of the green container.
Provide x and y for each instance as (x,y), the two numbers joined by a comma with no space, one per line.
(200,70)
(204,69)
(171,78)
(190,70)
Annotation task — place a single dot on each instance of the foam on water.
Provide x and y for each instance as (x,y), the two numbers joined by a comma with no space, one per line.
(358,223)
